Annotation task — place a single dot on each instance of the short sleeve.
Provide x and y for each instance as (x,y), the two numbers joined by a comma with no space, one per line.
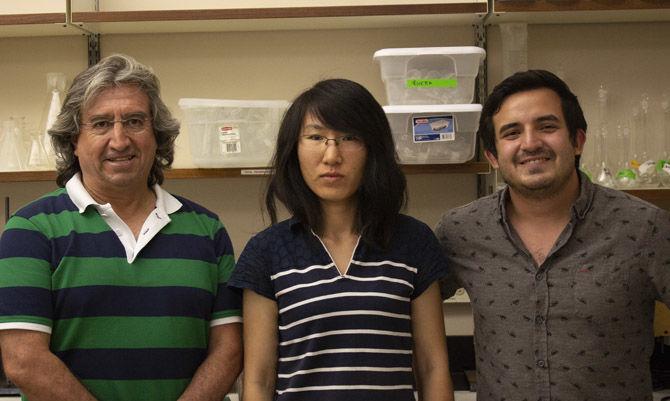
(253,269)
(25,277)
(430,261)
(228,303)
(450,283)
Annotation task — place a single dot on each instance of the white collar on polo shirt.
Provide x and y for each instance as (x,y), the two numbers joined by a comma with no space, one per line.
(157,219)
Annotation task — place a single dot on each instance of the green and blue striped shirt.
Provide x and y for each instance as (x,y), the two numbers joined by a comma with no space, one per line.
(128,331)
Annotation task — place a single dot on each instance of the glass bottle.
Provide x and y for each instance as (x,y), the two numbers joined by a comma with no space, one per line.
(646,167)
(604,175)
(38,159)
(12,151)
(54,99)
(626,176)
(663,165)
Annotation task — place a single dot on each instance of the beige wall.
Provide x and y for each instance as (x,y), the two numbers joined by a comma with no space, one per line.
(629,58)
(232,65)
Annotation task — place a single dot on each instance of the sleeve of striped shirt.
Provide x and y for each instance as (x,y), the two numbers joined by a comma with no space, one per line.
(25,277)
(430,262)
(254,269)
(228,304)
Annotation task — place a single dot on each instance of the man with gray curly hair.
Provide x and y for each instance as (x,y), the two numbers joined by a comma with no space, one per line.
(110,287)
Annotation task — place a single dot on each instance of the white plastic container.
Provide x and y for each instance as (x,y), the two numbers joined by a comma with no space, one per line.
(434,134)
(232,133)
(430,75)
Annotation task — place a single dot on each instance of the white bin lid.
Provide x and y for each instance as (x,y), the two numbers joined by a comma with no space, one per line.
(187,103)
(416,51)
(433,108)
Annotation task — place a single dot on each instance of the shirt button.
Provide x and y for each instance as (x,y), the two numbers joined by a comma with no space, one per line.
(540,363)
(539,276)
(539,319)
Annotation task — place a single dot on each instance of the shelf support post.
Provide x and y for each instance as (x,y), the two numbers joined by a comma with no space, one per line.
(485,182)
(93,48)
(93,38)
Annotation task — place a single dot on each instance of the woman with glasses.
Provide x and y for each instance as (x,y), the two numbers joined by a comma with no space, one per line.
(341,300)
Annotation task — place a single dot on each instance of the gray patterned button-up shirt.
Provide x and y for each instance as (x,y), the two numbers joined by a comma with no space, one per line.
(580,326)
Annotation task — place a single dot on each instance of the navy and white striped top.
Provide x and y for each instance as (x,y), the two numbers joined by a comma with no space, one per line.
(342,336)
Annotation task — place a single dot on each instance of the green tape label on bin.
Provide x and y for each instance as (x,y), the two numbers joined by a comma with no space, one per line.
(432,83)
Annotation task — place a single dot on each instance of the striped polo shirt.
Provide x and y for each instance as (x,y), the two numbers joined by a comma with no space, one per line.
(128,331)
(342,336)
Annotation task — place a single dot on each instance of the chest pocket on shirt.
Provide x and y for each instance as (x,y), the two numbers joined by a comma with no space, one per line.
(604,294)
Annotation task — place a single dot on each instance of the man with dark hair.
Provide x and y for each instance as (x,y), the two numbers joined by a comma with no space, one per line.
(562,274)
(110,287)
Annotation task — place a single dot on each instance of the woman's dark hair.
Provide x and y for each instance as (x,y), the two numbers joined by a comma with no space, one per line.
(344,106)
(525,81)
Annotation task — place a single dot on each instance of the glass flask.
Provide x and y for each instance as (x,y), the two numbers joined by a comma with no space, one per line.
(663,165)
(626,175)
(12,151)
(52,106)
(603,173)
(645,164)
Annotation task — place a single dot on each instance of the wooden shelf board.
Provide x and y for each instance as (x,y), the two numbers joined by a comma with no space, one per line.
(287,18)
(32,19)
(652,195)
(280,24)
(281,12)
(46,24)
(580,11)
(195,173)
(580,5)
(27,176)
(463,168)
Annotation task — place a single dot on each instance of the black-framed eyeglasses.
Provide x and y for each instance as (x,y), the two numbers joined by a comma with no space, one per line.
(344,143)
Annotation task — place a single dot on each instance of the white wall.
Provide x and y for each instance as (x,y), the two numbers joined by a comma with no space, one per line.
(629,58)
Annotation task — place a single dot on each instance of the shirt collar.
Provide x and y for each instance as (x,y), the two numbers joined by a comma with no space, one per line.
(294,223)
(584,201)
(82,199)
(580,208)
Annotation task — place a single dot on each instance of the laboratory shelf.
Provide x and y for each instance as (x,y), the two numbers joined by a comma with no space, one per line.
(579,11)
(189,173)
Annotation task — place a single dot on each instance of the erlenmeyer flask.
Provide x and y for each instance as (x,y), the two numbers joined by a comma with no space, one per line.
(11,147)
(38,159)
(54,99)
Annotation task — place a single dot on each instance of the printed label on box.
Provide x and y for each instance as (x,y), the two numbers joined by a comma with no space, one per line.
(432,83)
(256,171)
(647,167)
(229,138)
(433,129)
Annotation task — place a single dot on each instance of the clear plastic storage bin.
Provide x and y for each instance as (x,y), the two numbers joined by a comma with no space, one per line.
(430,75)
(434,134)
(232,133)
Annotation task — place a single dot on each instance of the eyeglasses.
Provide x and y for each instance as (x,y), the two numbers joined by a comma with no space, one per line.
(132,125)
(345,143)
